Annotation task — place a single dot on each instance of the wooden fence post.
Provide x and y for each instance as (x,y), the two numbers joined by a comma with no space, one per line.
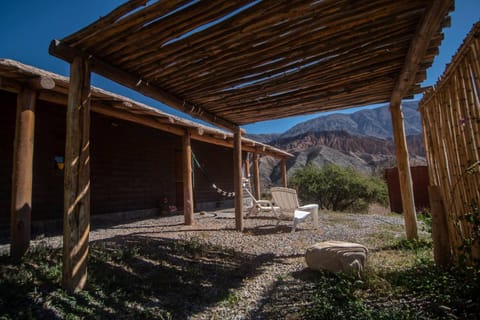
(187,179)
(76,218)
(22,173)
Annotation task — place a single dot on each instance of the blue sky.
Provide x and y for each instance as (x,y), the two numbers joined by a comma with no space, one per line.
(28,26)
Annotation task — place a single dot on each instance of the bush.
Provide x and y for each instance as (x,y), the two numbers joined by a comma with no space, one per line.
(338,189)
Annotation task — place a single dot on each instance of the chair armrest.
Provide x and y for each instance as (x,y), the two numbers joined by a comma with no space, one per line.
(309,207)
(264,203)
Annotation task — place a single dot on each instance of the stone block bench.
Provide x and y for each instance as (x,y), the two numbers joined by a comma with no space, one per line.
(337,256)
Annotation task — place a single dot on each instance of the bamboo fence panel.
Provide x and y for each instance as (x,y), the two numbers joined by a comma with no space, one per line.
(451,120)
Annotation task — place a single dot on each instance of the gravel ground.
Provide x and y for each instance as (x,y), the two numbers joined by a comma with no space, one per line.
(281,251)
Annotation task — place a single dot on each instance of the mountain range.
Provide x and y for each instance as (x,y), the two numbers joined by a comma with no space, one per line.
(362,140)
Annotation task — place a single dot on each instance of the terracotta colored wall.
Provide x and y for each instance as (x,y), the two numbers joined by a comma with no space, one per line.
(420,188)
(132,167)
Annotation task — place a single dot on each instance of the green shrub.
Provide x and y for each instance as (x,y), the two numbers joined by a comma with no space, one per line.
(338,189)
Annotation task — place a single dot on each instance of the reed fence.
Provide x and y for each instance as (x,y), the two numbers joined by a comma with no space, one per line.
(451,121)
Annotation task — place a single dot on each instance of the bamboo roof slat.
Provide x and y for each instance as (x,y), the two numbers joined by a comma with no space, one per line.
(310,33)
(171,27)
(298,57)
(241,62)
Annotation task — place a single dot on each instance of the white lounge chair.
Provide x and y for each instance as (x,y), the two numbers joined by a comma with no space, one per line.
(256,206)
(288,207)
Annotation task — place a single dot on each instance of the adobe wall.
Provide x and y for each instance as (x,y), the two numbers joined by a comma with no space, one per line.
(132,167)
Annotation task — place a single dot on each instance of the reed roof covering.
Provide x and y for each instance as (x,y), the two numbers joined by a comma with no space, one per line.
(15,75)
(239,62)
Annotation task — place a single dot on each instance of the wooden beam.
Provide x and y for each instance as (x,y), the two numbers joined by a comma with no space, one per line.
(63,51)
(76,217)
(237,178)
(42,83)
(22,173)
(284,172)
(428,26)
(256,176)
(404,175)
(188,205)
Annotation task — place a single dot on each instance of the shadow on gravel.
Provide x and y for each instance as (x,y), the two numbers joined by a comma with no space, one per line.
(268,229)
(129,277)
(55,227)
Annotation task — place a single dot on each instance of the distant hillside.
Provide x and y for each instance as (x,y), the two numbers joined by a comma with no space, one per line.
(369,122)
(348,143)
(264,137)
(362,140)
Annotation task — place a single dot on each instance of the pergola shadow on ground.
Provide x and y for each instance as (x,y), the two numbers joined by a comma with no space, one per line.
(183,277)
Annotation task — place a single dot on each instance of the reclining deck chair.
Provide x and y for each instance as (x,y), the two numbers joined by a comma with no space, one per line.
(287,201)
(256,206)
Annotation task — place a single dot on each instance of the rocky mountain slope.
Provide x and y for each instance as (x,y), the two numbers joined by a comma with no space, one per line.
(369,122)
(362,140)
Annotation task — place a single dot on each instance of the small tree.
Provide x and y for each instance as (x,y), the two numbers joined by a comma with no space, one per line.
(337,188)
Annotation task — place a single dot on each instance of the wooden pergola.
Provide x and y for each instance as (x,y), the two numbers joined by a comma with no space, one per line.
(238,62)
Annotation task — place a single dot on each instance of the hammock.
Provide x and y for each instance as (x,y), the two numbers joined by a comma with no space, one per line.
(212,184)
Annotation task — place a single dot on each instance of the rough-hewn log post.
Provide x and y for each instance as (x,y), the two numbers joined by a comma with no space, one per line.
(237,178)
(256,176)
(247,167)
(187,179)
(76,218)
(441,244)
(22,173)
(404,175)
(284,172)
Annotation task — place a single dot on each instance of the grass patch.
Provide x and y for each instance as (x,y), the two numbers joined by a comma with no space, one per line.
(400,282)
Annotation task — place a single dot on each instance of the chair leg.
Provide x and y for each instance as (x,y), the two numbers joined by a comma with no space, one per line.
(295,222)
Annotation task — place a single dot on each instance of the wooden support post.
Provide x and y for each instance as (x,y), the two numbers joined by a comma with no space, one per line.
(76,218)
(284,172)
(247,167)
(441,244)
(22,173)
(256,176)
(405,177)
(237,178)
(187,179)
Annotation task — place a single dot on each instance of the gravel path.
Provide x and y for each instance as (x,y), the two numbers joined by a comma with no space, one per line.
(280,250)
